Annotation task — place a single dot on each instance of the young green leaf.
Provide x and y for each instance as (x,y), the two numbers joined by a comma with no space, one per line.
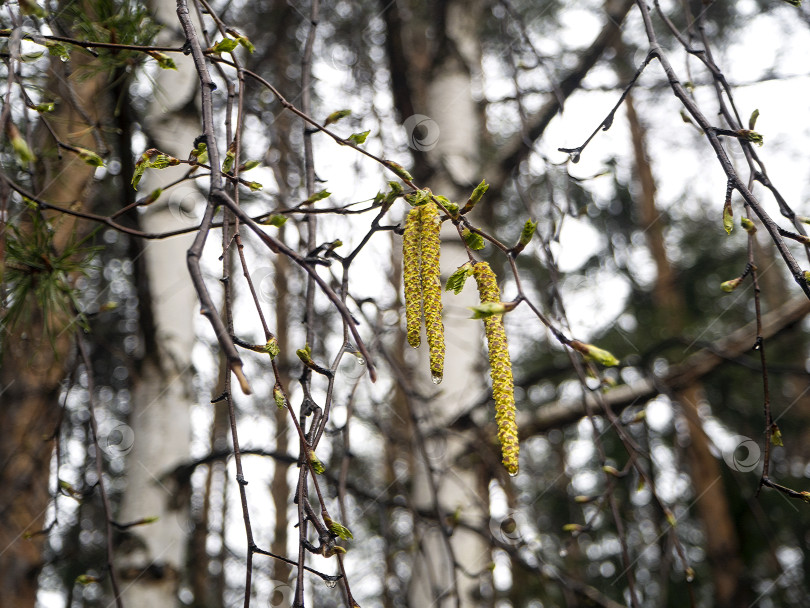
(455,282)
(476,195)
(399,170)
(90,158)
(339,530)
(163,60)
(226,45)
(317,197)
(336,116)
(474,240)
(359,138)
(275,220)
(594,353)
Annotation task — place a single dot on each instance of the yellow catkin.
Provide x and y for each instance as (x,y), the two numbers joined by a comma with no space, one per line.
(432,288)
(411,263)
(500,369)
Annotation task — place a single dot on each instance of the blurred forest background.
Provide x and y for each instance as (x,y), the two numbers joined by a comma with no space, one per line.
(151,455)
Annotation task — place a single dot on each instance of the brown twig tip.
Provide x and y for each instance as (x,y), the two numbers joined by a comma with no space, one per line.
(236,368)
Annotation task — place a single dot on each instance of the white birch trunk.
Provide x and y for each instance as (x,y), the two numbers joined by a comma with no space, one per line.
(162,398)
(451,106)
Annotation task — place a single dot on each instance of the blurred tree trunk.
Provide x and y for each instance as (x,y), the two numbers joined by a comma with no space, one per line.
(152,560)
(434,54)
(33,364)
(722,544)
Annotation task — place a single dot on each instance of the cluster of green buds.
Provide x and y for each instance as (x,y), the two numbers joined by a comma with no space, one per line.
(423,288)
(500,365)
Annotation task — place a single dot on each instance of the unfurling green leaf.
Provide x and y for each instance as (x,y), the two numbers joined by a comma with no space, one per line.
(318,196)
(316,463)
(455,282)
(399,170)
(86,579)
(476,195)
(226,45)
(729,286)
(474,240)
(274,220)
(305,354)
(488,309)
(271,348)
(728,217)
(164,61)
(336,116)
(807,275)
(796,3)
(359,138)
(90,158)
(254,186)
(241,39)
(752,121)
(278,397)
(572,528)
(394,193)
(594,353)
(776,436)
(528,232)
(752,136)
(57,49)
(45,107)
(251,164)
(200,153)
(227,164)
(339,530)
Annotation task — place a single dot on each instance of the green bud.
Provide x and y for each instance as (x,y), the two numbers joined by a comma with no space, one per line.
(336,116)
(86,579)
(278,397)
(271,348)
(729,286)
(317,465)
(752,121)
(728,217)
(227,164)
(527,233)
(807,275)
(572,528)
(305,354)
(274,220)
(254,186)
(776,436)
(43,108)
(748,225)
(594,353)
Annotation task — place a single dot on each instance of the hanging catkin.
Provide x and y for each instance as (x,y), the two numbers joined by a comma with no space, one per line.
(500,369)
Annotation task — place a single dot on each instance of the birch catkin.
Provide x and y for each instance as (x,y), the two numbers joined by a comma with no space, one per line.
(500,369)
(411,264)
(432,288)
